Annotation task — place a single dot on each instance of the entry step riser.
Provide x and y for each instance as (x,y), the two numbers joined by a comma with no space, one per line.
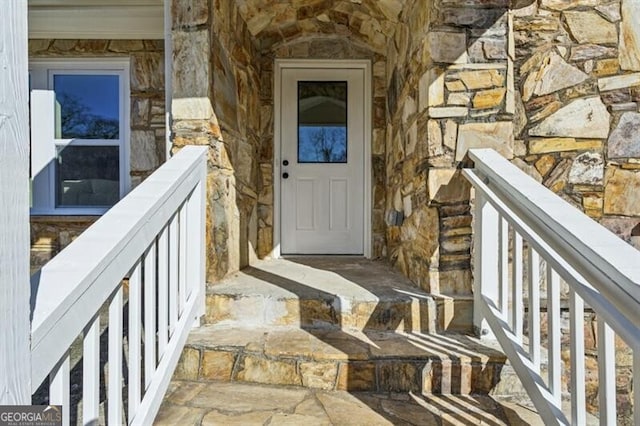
(417,314)
(432,376)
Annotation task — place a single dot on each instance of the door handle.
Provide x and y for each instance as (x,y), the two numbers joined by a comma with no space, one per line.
(285,175)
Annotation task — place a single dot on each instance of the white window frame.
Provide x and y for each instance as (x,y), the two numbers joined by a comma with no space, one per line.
(42,72)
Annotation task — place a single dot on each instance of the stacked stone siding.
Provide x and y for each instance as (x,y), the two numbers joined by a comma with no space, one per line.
(216,80)
(450,88)
(578,105)
(50,234)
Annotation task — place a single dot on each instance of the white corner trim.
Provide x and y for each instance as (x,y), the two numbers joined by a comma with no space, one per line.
(363,64)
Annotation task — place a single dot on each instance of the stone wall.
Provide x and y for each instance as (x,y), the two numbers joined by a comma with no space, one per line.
(578,76)
(552,85)
(236,84)
(50,234)
(216,80)
(450,88)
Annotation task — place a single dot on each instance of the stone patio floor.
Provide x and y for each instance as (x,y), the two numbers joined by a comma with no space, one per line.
(197,403)
(270,293)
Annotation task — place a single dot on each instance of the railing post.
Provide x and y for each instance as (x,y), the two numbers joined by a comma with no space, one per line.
(486,259)
(196,257)
(15,359)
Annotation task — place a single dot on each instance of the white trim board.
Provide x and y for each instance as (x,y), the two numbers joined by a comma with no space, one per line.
(365,65)
(109,20)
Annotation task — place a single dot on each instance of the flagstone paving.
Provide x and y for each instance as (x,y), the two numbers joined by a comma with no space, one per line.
(197,403)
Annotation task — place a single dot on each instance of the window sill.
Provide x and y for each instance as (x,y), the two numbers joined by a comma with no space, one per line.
(54,218)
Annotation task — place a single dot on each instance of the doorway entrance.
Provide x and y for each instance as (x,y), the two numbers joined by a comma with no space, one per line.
(323,135)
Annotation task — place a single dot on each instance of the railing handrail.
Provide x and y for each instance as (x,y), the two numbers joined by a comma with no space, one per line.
(609,264)
(69,290)
(603,307)
(511,209)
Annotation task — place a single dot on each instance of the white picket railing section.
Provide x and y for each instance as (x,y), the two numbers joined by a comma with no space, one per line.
(154,239)
(518,219)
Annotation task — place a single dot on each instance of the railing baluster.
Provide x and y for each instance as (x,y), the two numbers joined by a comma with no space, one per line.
(606,373)
(486,244)
(503,266)
(59,388)
(182,259)
(173,273)
(114,399)
(149,314)
(554,334)
(135,310)
(516,295)
(155,237)
(163,291)
(534,307)
(196,255)
(576,325)
(91,373)
(599,268)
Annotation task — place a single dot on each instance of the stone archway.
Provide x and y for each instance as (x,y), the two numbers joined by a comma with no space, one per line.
(420,52)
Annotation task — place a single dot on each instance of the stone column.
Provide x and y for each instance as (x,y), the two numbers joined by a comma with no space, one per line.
(195,123)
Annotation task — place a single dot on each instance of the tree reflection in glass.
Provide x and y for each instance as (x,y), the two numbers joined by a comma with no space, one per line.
(87,127)
(322,122)
(88,106)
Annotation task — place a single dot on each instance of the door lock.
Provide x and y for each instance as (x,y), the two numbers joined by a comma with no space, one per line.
(285,163)
(285,175)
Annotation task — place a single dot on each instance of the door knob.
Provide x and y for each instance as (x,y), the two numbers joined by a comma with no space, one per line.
(285,175)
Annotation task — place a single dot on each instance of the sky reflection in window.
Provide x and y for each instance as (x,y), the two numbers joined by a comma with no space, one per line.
(322,122)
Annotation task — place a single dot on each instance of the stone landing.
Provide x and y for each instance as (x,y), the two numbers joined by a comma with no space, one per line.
(319,292)
(343,340)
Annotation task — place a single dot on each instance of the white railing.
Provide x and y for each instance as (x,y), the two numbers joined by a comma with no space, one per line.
(518,222)
(154,239)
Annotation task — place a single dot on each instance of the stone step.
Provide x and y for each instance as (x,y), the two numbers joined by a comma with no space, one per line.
(223,403)
(338,359)
(321,292)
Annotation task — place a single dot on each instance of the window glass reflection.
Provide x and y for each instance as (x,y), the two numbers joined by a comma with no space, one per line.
(322,122)
(87,106)
(88,176)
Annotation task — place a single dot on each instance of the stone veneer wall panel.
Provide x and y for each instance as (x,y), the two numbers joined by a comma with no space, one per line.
(235,87)
(216,80)
(450,88)
(50,234)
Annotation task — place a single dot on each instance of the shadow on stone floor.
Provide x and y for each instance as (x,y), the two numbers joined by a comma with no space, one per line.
(459,367)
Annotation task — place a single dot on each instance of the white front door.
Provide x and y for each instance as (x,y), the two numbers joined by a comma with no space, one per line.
(322,160)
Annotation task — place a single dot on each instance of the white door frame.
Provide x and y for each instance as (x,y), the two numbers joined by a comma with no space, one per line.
(281,64)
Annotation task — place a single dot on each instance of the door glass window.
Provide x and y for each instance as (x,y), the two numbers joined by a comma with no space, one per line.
(322,122)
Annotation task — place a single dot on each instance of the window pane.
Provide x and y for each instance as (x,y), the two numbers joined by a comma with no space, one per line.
(322,122)
(88,106)
(88,176)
